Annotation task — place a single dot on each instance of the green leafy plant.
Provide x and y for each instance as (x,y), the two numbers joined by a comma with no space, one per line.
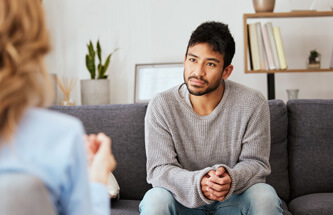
(90,61)
(313,56)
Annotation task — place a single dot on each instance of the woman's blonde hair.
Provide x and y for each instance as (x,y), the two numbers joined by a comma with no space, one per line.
(23,44)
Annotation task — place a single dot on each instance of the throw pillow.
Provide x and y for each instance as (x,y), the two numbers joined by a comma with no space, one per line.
(113,187)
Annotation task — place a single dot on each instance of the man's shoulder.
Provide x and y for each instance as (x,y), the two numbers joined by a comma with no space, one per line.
(166,97)
(164,103)
(241,92)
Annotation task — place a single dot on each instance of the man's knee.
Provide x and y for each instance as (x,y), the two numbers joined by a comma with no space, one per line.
(157,201)
(263,196)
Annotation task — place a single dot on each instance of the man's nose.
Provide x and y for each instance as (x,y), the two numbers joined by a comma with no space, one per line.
(199,70)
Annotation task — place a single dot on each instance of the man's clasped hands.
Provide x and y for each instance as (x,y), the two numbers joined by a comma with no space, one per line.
(215,185)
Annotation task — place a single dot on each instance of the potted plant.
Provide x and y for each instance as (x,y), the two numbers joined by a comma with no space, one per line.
(314,59)
(96,90)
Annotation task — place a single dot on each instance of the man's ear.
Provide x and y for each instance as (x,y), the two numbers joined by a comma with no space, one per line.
(184,59)
(227,71)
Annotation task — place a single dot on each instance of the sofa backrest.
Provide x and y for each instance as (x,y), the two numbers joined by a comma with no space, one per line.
(124,123)
(310,146)
(279,178)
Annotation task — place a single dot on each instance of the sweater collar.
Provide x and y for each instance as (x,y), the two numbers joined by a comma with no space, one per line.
(184,95)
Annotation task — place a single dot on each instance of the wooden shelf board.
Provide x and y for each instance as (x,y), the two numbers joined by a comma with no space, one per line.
(289,14)
(289,70)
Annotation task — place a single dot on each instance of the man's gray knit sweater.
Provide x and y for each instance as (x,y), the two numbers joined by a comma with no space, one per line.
(183,146)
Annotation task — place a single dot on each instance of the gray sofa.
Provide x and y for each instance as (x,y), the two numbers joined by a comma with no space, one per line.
(301,152)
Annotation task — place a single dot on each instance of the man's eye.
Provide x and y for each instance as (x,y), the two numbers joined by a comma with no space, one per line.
(192,59)
(211,64)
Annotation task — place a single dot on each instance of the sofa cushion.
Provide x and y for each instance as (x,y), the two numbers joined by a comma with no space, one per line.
(125,207)
(318,204)
(113,187)
(125,125)
(279,178)
(285,208)
(310,146)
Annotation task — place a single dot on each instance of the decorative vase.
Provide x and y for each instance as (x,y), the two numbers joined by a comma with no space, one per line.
(68,101)
(95,92)
(292,93)
(261,6)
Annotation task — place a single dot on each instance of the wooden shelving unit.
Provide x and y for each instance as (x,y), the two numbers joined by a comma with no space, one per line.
(270,73)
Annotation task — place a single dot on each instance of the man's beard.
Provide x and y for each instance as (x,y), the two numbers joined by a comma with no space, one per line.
(204,91)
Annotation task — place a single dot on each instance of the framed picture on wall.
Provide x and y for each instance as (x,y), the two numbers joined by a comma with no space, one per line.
(151,79)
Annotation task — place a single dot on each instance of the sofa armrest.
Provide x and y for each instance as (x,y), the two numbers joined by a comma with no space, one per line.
(24,194)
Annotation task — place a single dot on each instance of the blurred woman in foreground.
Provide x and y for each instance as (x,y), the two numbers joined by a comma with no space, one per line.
(37,141)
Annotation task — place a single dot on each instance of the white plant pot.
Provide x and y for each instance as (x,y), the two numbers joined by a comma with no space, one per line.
(95,92)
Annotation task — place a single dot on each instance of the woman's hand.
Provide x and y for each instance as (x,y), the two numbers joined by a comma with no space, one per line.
(100,158)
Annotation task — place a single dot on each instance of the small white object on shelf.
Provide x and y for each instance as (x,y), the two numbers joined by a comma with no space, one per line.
(313,4)
(302,5)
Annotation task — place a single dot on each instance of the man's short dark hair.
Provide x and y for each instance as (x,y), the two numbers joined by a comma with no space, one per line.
(217,35)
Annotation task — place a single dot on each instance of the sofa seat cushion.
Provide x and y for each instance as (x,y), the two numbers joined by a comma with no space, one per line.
(125,207)
(285,208)
(318,204)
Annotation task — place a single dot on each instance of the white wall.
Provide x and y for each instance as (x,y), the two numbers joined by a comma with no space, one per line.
(156,31)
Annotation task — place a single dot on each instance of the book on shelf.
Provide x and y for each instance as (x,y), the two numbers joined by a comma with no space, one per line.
(269,28)
(262,55)
(249,48)
(279,47)
(268,48)
(254,46)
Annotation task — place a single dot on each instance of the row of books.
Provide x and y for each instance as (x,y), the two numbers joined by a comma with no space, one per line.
(266,47)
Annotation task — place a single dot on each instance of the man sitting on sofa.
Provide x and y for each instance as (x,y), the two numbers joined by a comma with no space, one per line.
(208,140)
